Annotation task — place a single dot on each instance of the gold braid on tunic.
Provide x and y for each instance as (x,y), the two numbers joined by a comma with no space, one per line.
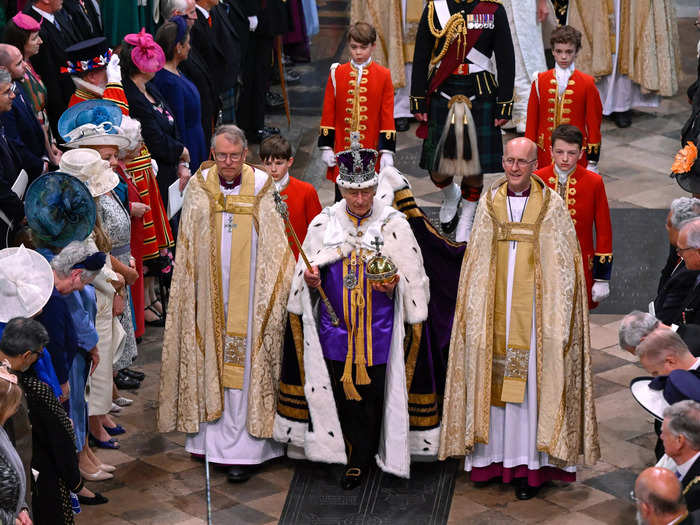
(455,29)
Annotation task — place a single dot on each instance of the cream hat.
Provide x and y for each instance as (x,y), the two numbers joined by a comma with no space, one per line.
(26,283)
(87,166)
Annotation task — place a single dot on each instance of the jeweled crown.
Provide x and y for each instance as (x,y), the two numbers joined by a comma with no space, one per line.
(356,165)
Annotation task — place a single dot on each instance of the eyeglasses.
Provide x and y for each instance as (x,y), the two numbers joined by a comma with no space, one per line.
(520,163)
(222,157)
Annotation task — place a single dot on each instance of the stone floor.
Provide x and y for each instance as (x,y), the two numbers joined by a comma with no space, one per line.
(157,483)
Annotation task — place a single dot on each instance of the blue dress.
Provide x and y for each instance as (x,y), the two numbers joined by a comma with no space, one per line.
(183,99)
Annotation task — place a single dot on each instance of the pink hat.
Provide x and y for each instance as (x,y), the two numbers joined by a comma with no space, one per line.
(26,22)
(147,55)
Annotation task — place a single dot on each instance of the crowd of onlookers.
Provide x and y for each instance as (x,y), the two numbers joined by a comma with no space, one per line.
(107,108)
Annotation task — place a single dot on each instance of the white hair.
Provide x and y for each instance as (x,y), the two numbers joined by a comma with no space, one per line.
(72,254)
(683,418)
(692,229)
(168,7)
(684,209)
(231,133)
(634,327)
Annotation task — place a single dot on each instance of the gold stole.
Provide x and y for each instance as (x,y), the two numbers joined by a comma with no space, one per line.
(243,208)
(510,364)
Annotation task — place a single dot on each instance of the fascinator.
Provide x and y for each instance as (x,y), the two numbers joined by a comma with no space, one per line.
(59,209)
(26,283)
(146,55)
(26,22)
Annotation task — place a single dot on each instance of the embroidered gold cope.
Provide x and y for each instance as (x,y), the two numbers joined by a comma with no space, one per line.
(566,423)
(204,349)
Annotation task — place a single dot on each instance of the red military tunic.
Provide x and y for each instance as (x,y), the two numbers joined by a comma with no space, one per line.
(587,202)
(368,110)
(578,105)
(303,205)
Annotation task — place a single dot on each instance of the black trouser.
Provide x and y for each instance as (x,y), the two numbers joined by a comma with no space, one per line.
(250,114)
(361,421)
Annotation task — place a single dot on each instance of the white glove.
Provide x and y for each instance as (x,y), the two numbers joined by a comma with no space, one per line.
(592,166)
(387,159)
(114,72)
(328,157)
(253,22)
(600,291)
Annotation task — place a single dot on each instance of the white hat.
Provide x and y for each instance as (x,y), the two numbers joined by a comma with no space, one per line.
(87,166)
(651,400)
(26,283)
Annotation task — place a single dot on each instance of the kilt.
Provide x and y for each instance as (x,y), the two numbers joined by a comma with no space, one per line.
(484,108)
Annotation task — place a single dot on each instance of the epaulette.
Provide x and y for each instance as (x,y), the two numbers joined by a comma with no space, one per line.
(696,480)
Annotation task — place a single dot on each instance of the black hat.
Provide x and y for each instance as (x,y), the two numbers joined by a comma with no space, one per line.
(87,55)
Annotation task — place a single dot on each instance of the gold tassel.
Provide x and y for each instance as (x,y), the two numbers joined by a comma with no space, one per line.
(361,373)
(351,392)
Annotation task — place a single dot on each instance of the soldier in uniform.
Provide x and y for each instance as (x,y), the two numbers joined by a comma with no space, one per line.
(583,192)
(453,80)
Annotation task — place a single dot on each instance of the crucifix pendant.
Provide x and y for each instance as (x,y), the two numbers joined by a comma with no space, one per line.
(230,225)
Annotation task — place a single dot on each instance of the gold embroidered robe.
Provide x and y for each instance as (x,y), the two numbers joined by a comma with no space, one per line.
(649,47)
(191,383)
(566,423)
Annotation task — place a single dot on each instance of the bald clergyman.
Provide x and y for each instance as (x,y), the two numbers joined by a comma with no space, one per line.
(519,372)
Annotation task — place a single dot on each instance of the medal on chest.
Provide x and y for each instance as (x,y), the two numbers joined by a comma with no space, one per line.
(350,280)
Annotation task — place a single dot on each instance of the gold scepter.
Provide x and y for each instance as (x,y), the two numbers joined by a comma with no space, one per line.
(284,212)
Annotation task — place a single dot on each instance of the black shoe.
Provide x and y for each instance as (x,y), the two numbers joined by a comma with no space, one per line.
(139,376)
(351,479)
(97,499)
(622,119)
(239,473)
(524,491)
(402,124)
(273,100)
(449,227)
(124,382)
(258,136)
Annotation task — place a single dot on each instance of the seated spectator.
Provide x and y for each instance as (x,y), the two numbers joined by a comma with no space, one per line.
(23,33)
(680,433)
(635,326)
(57,33)
(663,351)
(676,278)
(181,94)
(657,494)
(140,58)
(22,128)
(13,483)
(10,165)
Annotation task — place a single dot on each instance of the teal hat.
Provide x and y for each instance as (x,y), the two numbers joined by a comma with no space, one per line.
(59,209)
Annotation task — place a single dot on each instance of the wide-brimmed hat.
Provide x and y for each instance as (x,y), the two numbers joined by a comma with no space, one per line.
(92,123)
(685,169)
(356,165)
(59,209)
(26,283)
(87,55)
(87,166)
(655,394)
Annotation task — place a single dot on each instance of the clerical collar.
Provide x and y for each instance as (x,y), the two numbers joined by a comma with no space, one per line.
(357,219)
(524,193)
(364,64)
(282,184)
(229,185)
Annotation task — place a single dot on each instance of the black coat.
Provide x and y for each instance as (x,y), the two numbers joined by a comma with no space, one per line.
(238,13)
(49,60)
(273,18)
(86,21)
(10,204)
(195,69)
(673,290)
(691,487)
(159,133)
(219,46)
(53,453)
(24,131)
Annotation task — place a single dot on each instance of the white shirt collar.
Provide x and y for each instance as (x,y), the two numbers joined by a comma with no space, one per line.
(695,365)
(685,467)
(562,176)
(364,64)
(49,16)
(563,75)
(202,10)
(282,183)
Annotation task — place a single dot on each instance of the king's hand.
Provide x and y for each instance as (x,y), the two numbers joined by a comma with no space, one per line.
(387,288)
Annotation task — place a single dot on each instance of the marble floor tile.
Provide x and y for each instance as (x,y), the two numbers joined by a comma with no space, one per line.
(535,510)
(612,512)
(575,496)
(624,374)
